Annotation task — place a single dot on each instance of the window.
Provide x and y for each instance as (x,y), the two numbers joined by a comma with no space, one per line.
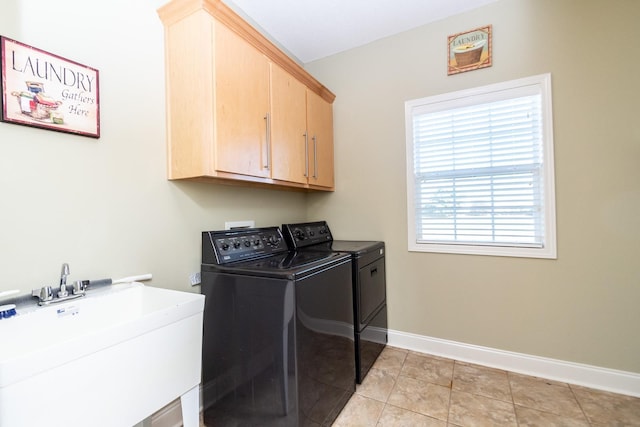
(480,171)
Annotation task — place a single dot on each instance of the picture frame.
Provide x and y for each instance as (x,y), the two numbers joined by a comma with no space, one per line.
(44,90)
(469,50)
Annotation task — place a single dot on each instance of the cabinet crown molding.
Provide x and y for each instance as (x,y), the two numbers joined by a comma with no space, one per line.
(176,10)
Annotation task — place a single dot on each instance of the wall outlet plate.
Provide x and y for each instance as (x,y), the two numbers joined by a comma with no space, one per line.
(230,225)
(194,278)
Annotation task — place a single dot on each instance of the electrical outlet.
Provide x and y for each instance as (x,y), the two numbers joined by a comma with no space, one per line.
(230,225)
(195,278)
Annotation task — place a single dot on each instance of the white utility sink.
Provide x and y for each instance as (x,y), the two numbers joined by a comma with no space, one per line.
(111,358)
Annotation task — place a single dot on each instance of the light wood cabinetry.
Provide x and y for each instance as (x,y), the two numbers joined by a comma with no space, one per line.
(238,108)
(241,106)
(320,134)
(288,127)
(301,133)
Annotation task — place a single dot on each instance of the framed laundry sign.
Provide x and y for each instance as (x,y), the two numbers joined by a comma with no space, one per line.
(44,90)
(469,50)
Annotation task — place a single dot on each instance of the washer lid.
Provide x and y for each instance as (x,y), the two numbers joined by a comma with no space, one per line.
(289,265)
(356,246)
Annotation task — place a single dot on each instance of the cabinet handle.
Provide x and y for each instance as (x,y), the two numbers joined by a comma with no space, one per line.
(267,118)
(306,155)
(315,157)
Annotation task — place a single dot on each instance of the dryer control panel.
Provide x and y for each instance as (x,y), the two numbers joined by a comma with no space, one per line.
(225,246)
(306,234)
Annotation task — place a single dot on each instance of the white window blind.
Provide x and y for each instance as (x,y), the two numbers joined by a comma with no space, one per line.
(478,170)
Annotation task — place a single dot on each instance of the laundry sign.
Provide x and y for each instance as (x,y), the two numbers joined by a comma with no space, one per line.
(44,90)
(469,50)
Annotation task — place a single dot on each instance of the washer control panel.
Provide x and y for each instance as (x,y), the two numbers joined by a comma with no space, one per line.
(221,247)
(306,234)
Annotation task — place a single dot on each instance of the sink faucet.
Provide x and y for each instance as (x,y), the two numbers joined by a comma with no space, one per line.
(63,281)
(64,274)
(46,294)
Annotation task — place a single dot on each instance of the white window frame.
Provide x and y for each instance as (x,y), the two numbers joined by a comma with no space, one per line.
(540,83)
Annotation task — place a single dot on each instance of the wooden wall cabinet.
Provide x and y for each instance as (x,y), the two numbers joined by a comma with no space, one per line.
(301,133)
(241,81)
(238,108)
(288,127)
(320,134)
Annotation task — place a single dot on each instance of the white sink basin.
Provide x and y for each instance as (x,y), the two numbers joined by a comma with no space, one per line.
(111,358)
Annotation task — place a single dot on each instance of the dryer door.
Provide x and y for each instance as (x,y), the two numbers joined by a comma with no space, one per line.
(371,292)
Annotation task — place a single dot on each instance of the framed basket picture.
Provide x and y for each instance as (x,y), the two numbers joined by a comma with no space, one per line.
(44,90)
(469,50)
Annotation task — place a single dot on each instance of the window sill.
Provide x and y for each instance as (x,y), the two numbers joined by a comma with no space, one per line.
(505,251)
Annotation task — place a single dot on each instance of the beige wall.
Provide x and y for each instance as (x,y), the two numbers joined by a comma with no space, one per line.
(582,307)
(105,206)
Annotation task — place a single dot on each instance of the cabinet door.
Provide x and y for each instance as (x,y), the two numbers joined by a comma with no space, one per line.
(241,105)
(288,127)
(190,89)
(320,131)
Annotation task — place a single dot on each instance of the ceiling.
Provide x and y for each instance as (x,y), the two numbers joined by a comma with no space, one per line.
(314,29)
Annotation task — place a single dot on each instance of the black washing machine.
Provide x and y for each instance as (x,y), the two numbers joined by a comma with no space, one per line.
(368,281)
(278,336)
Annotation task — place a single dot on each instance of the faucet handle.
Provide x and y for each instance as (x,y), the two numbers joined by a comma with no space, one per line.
(79,287)
(45,293)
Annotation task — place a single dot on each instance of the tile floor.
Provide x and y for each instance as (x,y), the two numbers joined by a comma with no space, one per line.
(409,389)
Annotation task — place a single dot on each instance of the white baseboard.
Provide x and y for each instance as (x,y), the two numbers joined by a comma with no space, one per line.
(569,372)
